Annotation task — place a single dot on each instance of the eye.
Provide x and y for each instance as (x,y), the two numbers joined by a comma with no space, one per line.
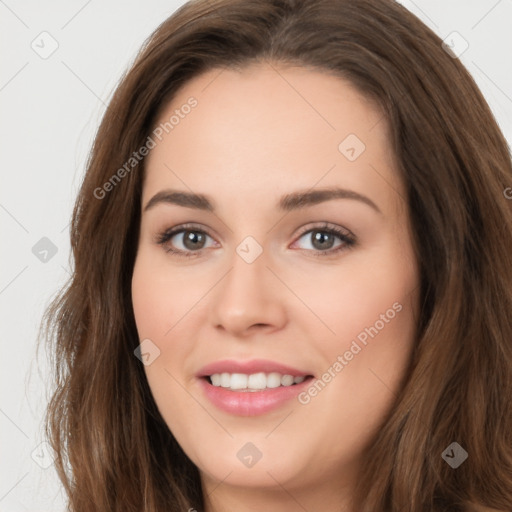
(327,239)
(184,240)
(189,240)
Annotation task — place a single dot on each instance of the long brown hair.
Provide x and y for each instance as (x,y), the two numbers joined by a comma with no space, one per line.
(114,451)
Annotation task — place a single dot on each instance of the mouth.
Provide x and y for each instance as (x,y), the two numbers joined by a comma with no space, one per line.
(250,388)
(254,382)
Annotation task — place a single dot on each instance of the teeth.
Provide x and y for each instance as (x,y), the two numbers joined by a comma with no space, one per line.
(253,382)
(238,381)
(286,380)
(225,380)
(273,380)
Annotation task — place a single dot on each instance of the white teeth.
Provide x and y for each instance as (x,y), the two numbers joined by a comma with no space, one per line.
(257,381)
(253,382)
(286,380)
(225,380)
(273,380)
(238,381)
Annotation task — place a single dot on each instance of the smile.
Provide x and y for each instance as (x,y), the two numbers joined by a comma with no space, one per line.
(250,388)
(253,382)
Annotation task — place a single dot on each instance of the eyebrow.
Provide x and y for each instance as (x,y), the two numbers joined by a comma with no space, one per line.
(293,201)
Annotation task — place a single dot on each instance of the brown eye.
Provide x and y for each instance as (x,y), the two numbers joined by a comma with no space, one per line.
(193,240)
(326,240)
(322,240)
(186,241)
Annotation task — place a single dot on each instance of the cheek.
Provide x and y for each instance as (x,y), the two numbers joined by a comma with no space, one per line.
(365,366)
(160,309)
(162,297)
(370,305)
(361,299)
(373,311)
(166,304)
(157,308)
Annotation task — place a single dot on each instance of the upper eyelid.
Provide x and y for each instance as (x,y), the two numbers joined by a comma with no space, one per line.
(327,226)
(187,227)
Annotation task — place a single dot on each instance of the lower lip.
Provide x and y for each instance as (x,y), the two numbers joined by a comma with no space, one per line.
(251,403)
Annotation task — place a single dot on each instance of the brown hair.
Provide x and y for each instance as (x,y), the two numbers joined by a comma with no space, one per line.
(113,449)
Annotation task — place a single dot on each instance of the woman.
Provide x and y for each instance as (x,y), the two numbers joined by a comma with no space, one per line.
(293,279)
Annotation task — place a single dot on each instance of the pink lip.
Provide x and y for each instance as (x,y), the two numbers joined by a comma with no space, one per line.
(250,403)
(249,367)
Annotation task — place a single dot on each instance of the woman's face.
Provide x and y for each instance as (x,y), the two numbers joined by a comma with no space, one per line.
(296,266)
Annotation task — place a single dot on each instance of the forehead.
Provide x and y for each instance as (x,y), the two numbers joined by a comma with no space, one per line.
(270,127)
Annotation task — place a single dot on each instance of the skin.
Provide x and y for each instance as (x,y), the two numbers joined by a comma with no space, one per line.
(255,135)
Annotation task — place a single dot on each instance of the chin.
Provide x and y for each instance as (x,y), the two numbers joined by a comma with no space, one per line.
(264,474)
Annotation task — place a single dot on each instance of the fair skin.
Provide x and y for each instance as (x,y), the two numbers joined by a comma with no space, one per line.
(255,136)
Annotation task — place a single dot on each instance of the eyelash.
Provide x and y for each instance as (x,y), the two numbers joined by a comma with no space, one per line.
(346,237)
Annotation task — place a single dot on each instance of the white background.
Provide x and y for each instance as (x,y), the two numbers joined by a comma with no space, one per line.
(50,109)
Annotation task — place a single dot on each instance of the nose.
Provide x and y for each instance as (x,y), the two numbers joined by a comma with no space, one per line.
(249,299)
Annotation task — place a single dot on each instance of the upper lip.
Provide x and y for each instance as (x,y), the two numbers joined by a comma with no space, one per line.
(249,367)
